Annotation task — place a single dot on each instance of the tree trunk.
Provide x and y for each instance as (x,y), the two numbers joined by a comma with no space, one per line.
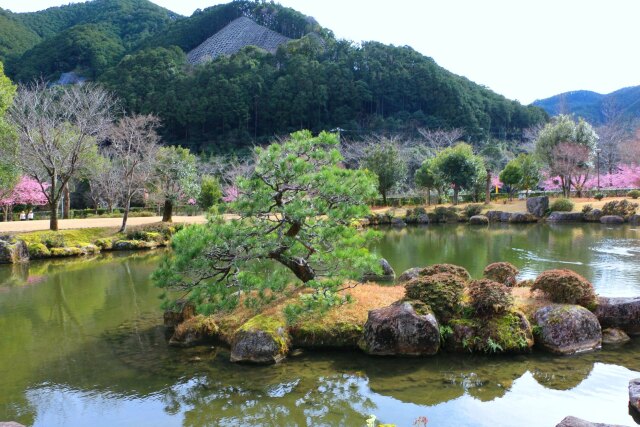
(428,197)
(125,217)
(53,218)
(298,266)
(66,208)
(487,194)
(167,212)
(384,198)
(455,195)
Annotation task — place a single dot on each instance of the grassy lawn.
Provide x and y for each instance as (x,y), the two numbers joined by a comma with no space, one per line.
(71,238)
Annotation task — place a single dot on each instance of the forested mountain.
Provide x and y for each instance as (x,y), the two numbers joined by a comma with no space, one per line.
(314,81)
(594,107)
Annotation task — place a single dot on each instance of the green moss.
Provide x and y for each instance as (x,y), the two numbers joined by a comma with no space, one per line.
(270,325)
(130,245)
(316,333)
(509,333)
(38,250)
(442,292)
(65,252)
(64,238)
(104,244)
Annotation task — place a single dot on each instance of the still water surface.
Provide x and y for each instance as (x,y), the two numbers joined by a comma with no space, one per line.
(81,345)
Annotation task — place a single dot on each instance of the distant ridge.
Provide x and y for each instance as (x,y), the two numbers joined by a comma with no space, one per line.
(593,106)
(237,34)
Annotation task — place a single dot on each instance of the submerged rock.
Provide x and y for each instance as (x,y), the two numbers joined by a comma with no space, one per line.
(567,329)
(12,252)
(613,336)
(398,222)
(612,219)
(479,220)
(262,340)
(622,313)
(538,206)
(405,328)
(578,422)
(634,394)
(388,274)
(565,217)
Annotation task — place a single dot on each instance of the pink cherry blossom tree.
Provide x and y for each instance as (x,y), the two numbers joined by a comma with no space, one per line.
(27,192)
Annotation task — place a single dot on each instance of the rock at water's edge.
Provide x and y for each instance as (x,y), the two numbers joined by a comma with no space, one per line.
(409,274)
(388,274)
(621,313)
(577,422)
(262,340)
(614,336)
(567,329)
(479,220)
(405,328)
(565,217)
(634,394)
(13,252)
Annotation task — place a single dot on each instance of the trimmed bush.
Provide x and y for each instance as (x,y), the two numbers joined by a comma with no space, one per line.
(561,205)
(623,208)
(633,194)
(489,298)
(455,270)
(442,292)
(501,272)
(445,214)
(598,196)
(38,250)
(105,244)
(53,240)
(586,209)
(566,287)
(472,210)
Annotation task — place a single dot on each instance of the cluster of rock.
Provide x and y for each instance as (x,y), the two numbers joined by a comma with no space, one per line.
(443,309)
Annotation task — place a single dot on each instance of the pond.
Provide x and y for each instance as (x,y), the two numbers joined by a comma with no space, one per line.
(81,345)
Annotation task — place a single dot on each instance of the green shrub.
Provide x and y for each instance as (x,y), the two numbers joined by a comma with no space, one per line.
(633,194)
(598,196)
(66,252)
(501,272)
(489,298)
(455,270)
(38,250)
(52,240)
(587,209)
(441,292)
(141,214)
(445,214)
(623,208)
(566,287)
(472,210)
(561,205)
(104,244)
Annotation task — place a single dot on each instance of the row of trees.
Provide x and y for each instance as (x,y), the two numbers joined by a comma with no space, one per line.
(56,135)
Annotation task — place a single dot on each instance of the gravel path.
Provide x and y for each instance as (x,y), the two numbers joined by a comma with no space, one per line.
(67,224)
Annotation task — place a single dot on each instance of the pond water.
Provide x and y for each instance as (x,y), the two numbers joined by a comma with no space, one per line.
(81,345)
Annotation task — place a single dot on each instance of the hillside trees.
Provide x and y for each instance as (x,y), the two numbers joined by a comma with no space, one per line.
(460,168)
(175,178)
(58,129)
(295,211)
(384,160)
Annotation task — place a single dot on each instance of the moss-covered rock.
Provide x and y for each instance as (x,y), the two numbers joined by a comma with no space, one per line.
(409,274)
(405,328)
(319,334)
(38,251)
(566,287)
(13,251)
(501,272)
(132,245)
(105,244)
(179,312)
(194,331)
(567,329)
(65,252)
(479,220)
(489,298)
(508,333)
(442,292)
(262,340)
(387,274)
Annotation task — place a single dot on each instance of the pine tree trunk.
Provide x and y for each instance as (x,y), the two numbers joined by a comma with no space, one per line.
(167,212)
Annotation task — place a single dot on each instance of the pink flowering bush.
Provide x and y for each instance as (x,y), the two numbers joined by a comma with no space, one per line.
(27,192)
(231,193)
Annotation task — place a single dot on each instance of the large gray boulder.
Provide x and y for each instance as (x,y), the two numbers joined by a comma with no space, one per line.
(388,274)
(405,328)
(612,219)
(634,219)
(593,215)
(398,223)
(565,217)
(538,206)
(479,220)
(634,394)
(12,252)
(622,313)
(567,329)
(577,422)
(263,340)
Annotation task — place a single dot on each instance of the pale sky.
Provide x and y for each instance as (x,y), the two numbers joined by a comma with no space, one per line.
(523,49)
